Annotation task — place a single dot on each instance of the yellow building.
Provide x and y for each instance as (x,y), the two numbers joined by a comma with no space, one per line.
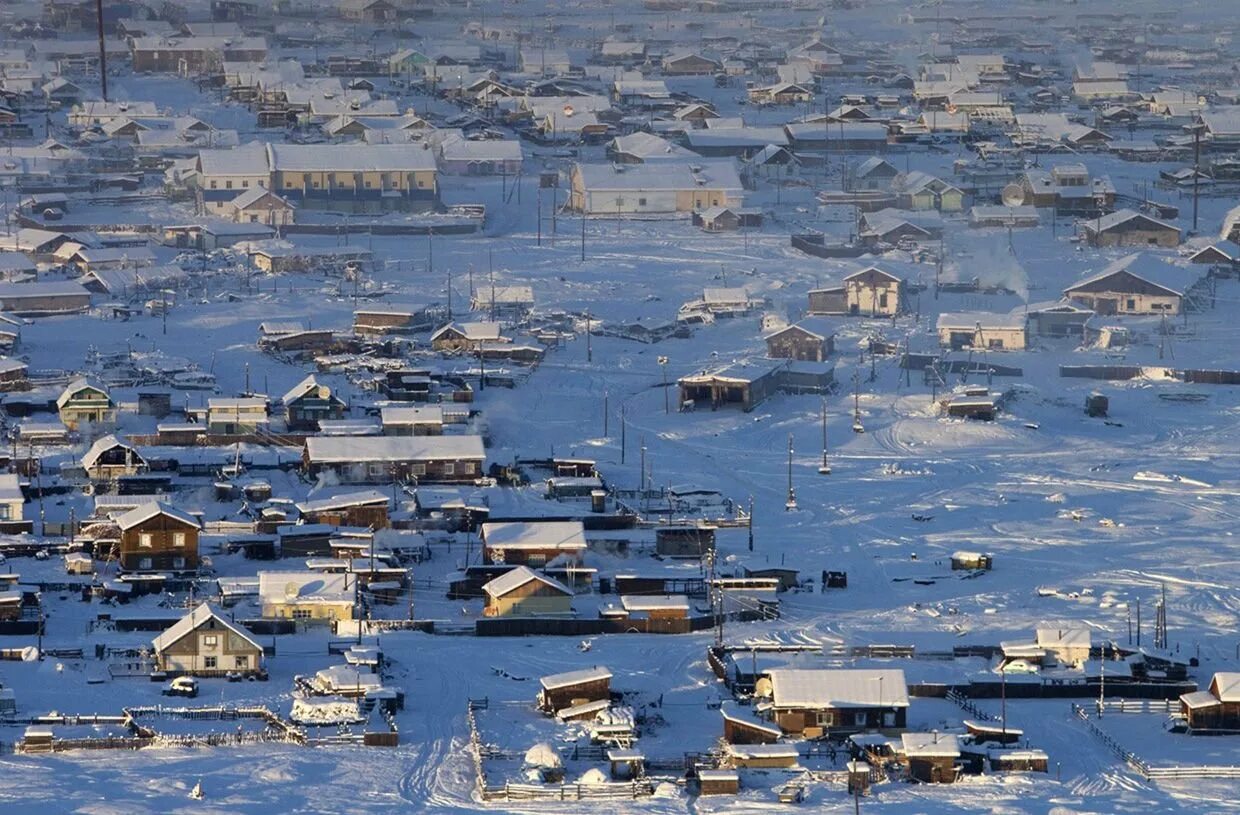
(360,178)
(524,592)
(308,596)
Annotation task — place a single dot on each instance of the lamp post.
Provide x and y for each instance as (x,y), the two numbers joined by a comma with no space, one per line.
(791,503)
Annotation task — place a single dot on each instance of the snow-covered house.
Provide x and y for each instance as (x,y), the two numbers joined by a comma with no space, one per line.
(1138,284)
(310,596)
(812,703)
(662,187)
(523,592)
(204,643)
(533,543)
(982,330)
(158,537)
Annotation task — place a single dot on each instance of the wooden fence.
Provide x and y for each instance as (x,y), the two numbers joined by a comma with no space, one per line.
(611,791)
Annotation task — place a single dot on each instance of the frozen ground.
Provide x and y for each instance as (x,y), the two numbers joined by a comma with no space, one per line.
(1036,498)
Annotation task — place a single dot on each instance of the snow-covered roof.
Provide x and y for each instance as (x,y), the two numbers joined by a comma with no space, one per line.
(1227,684)
(970,320)
(347,449)
(304,587)
(145,512)
(564,536)
(516,578)
(570,678)
(1065,637)
(838,688)
(1174,279)
(356,158)
(1122,216)
(654,602)
(349,499)
(930,745)
(191,622)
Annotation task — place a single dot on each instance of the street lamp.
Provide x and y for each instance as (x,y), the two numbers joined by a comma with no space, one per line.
(791,503)
(825,467)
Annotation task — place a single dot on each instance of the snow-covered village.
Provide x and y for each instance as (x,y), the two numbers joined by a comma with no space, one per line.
(645,406)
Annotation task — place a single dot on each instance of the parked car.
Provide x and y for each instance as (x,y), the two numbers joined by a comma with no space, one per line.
(182,686)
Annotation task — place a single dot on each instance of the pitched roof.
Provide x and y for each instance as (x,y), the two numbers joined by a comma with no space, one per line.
(838,688)
(191,622)
(1153,270)
(145,512)
(350,449)
(566,536)
(516,578)
(579,677)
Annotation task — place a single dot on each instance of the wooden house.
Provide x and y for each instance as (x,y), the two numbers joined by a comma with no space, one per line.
(388,319)
(763,756)
(309,596)
(817,702)
(982,330)
(203,643)
(466,336)
(308,403)
(43,298)
(872,175)
(741,726)
(932,758)
(257,205)
(1017,761)
(572,688)
(1128,227)
(383,459)
(691,541)
(741,384)
(523,592)
(971,561)
(420,420)
(85,401)
(690,65)
(158,537)
(718,782)
(1138,284)
(869,292)
(533,543)
(1215,709)
(655,607)
(1064,645)
(367,509)
(1059,319)
(809,339)
(109,458)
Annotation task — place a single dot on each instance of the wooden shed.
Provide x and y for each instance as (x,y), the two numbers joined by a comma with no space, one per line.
(718,782)
(564,690)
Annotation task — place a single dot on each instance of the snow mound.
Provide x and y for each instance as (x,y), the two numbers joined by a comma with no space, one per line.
(330,712)
(666,789)
(544,756)
(593,777)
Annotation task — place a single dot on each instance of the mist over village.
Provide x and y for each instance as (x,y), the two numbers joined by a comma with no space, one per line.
(642,406)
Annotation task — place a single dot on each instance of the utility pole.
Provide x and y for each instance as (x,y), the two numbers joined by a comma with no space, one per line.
(663,365)
(583,234)
(103,52)
(1196,168)
(825,467)
(589,343)
(750,524)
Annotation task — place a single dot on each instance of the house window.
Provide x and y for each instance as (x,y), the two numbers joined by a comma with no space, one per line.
(178,538)
(6,512)
(641,202)
(993,343)
(1132,304)
(214,184)
(210,640)
(144,563)
(178,563)
(825,718)
(209,662)
(449,469)
(228,185)
(315,185)
(146,540)
(536,560)
(241,662)
(369,184)
(417,469)
(860,719)
(301,614)
(882,300)
(245,182)
(376,468)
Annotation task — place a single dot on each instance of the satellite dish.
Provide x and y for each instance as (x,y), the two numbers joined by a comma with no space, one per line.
(1013,195)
